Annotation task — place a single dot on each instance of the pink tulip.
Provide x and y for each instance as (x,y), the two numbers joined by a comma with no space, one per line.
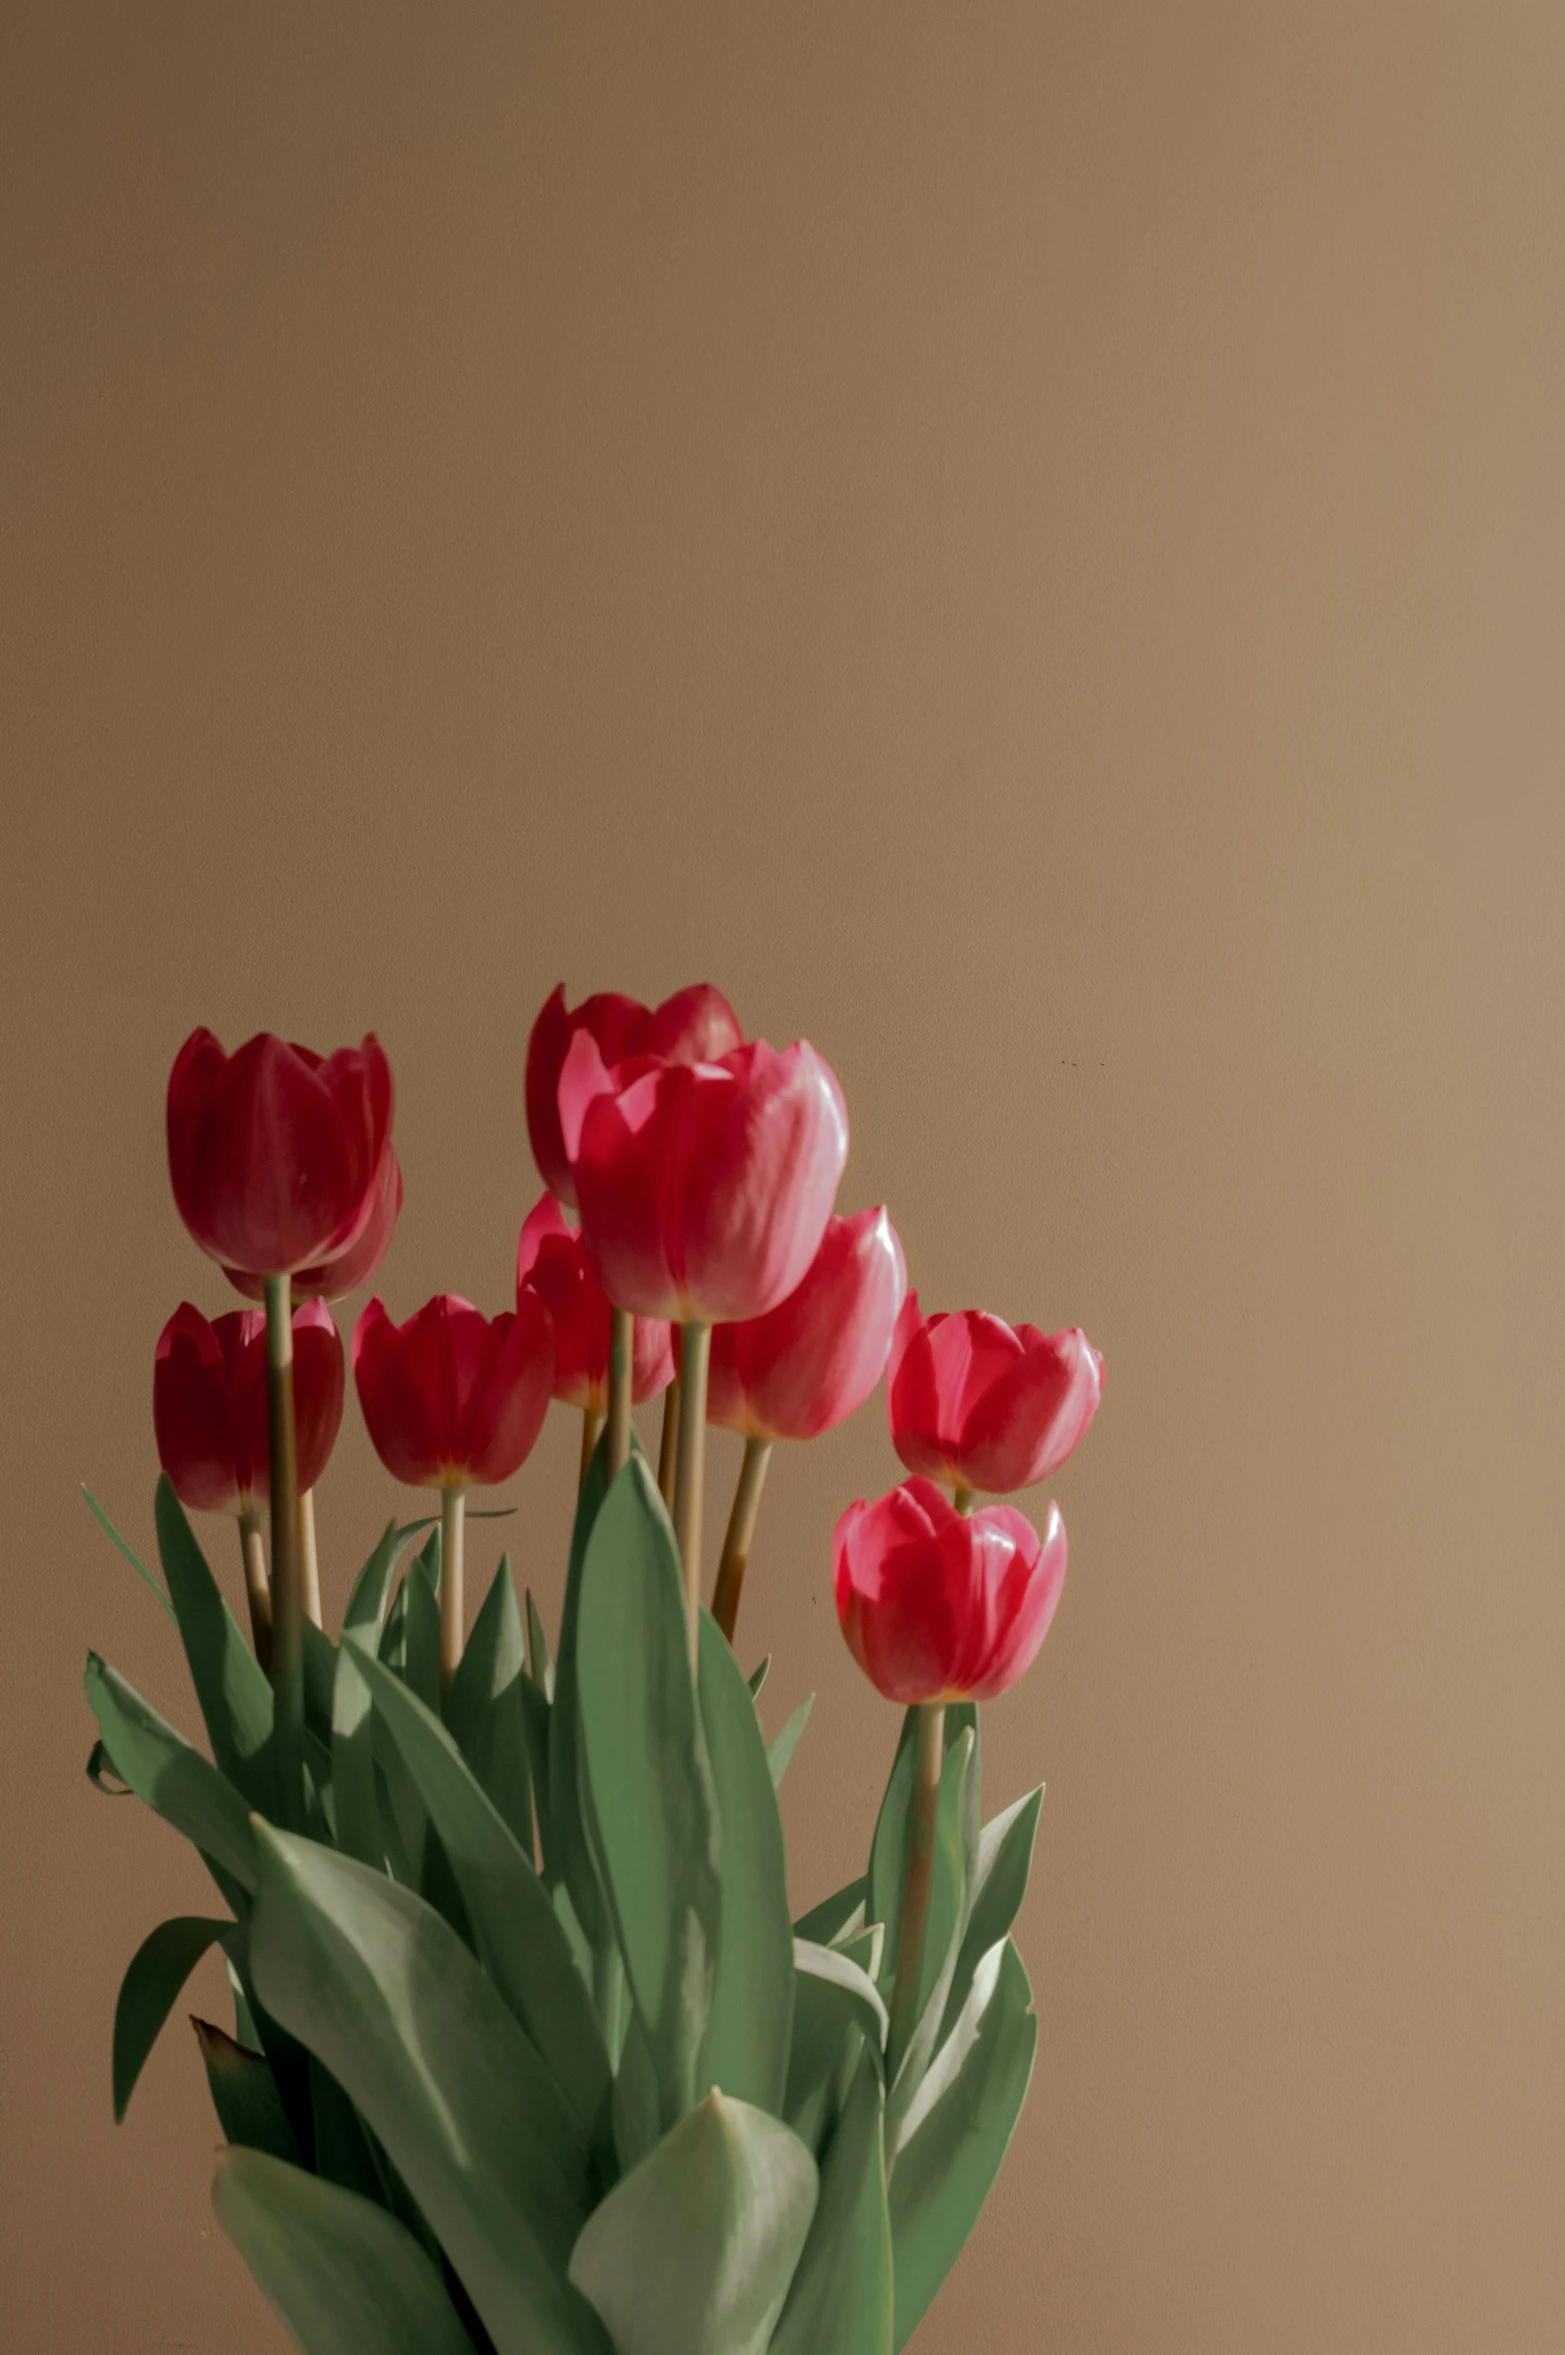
(329,1279)
(551,1261)
(275,1153)
(814,1359)
(704,1188)
(209,1403)
(941,1606)
(980,1405)
(453,1398)
(696,1025)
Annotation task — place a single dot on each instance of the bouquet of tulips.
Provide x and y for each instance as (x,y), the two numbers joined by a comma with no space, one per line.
(528,2053)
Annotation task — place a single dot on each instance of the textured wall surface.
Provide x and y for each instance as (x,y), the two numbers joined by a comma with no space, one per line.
(1024,542)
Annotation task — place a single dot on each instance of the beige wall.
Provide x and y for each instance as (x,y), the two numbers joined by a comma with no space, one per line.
(1024,541)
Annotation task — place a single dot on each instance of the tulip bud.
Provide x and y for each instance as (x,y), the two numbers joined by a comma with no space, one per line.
(812,1361)
(453,1398)
(696,1025)
(937,1605)
(982,1406)
(209,1403)
(275,1153)
(551,1261)
(704,1188)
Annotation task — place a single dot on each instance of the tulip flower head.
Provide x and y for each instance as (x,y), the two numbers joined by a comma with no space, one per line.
(812,1361)
(937,1605)
(275,1152)
(329,1279)
(704,1188)
(452,1398)
(209,1403)
(552,1262)
(696,1025)
(982,1405)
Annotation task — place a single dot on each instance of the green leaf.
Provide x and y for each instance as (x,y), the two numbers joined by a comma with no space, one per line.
(231,1685)
(945,2170)
(653,1810)
(535,1724)
(692,2252)
(520,1942)
(483,1711)
(99,1764)
(567,1848)
(942,1933)
(244,2094)
(1000,1876)
(635,2103)
(421,1643)
(842,1912)
(170,1777)
(540,1660)
(158,1970)
(746,2048)
(129,1552)
(781,1747)
(843,2298)
(385,1994)
(888,1859)
(837,2012)
(758,1677)
(342,2151)
(345,2276)
(320,1679)
(366,1612)
(353,1759)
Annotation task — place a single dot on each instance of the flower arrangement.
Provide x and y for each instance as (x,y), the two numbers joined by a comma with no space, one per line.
(528,2054)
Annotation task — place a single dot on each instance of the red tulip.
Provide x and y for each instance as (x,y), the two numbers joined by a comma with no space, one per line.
(814,1359)
(209,1403)
(275,1154)
(979,1405)
(704,1188)
(454,1398)
(551,1261)
(941,1606)
(696,1025)
(329,1279)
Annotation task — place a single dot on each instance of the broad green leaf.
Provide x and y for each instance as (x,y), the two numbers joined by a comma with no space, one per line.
(951,2057)
(781,1747)
(835,1915)
(888,1859)
(393,1644)
(129,1551)
(231,1685)
(837,2012)
(519,1939)
(345,2276)
(535,1723)
(99,1764)
(654,1814)
(746,2048)
(320,1678)
(385,1994)
(244,2094)
(1000,1876)
(692,2252)
(856,1989)
(758,1677)
(170,1777)
(540,1660)
(944,2172)
(566,1844)
(843,2298)
(864,1947)
(421,1642)
(245,2031)
(942,1933)
(158,1970)
(353,1760)
(342,2151)
(483,1711)
(635,2105)
(366,1612)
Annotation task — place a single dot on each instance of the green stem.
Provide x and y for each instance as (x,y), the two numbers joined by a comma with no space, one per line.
(929,1756)
(309,1560)
(452,1518)
(258,1588)
(668,1446)
(287,1662)
(696,1348)
(740,1534)
(591,1425)
(622,1350)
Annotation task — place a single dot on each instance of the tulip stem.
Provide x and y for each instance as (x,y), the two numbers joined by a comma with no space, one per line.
(929,1757)
(741,1531)
(308,1557)
(668,1446)
(452,1521)
(287,1662)
(258,1590)
(695,1351)
(591,1425)
(622,1350)
(964,1499)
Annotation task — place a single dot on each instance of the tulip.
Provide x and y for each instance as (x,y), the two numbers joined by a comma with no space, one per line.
(551,1261)
(803,1367)
(981,1405)
(329,1279)
(209,1412)
(275,1153)
(939,1605)
(696,1025)
(454,1400)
